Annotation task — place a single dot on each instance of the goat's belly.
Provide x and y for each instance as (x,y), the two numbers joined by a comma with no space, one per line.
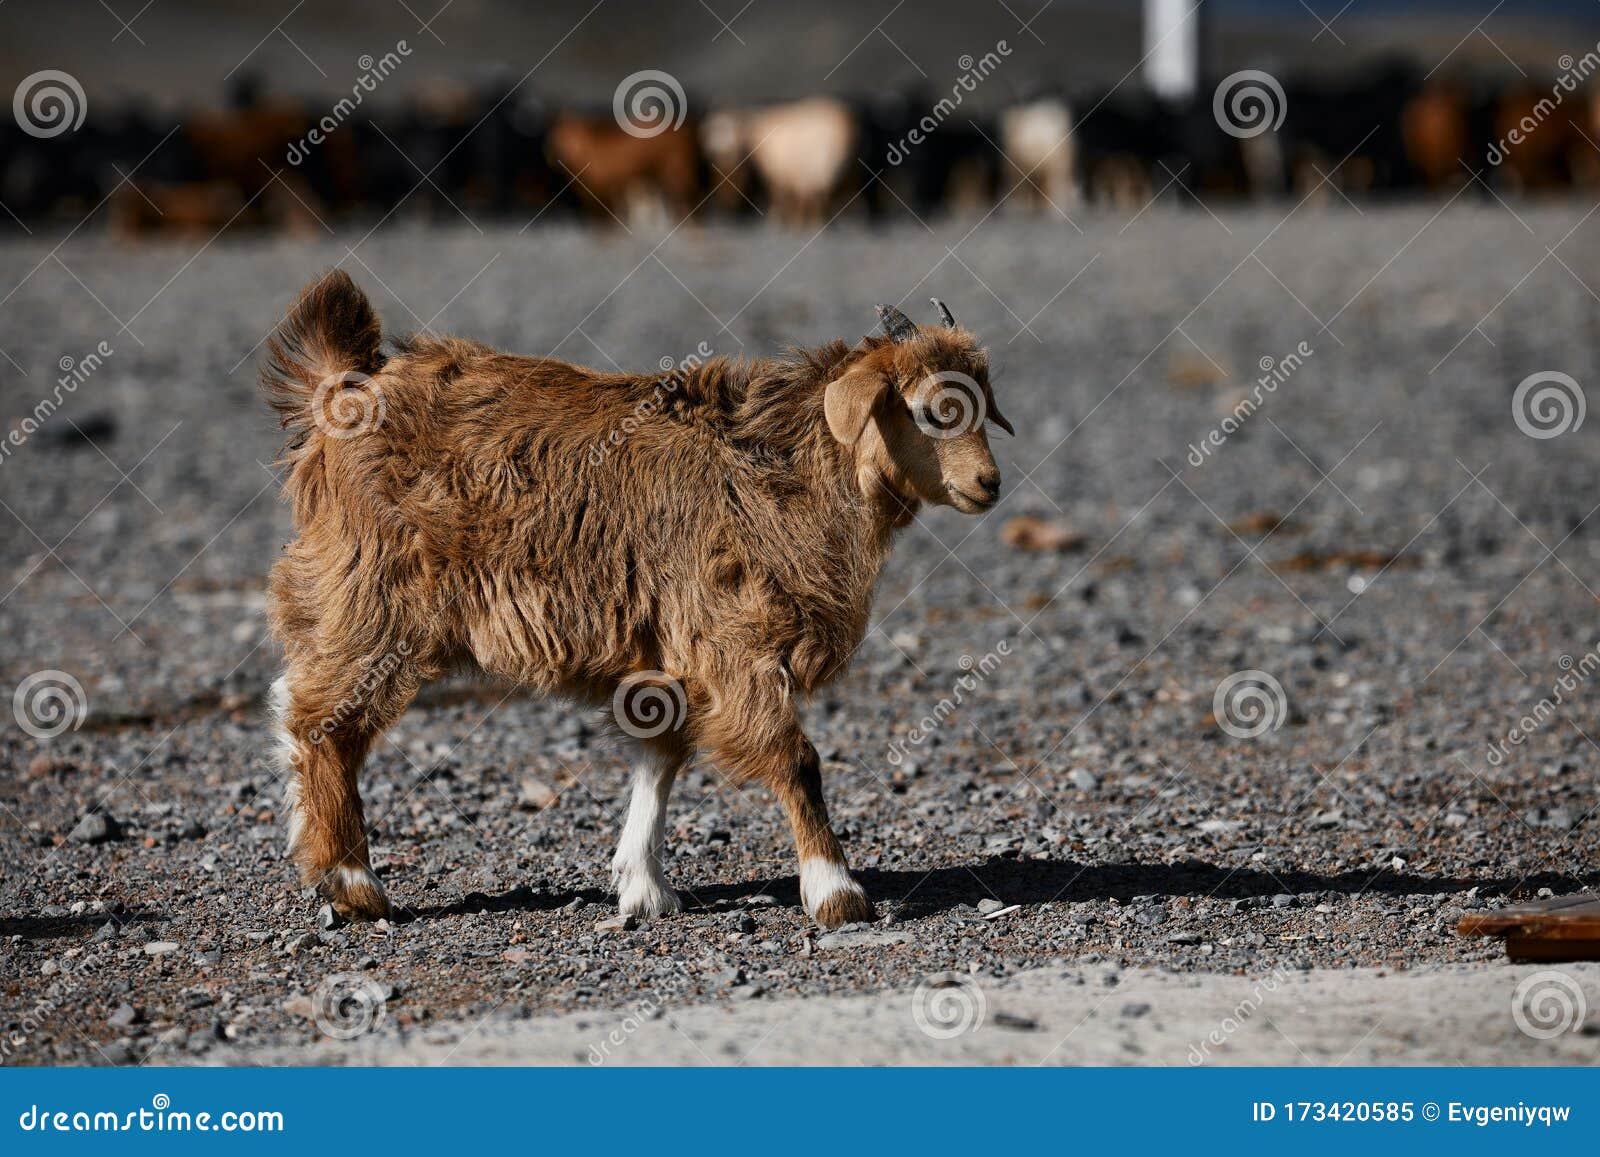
(548,634)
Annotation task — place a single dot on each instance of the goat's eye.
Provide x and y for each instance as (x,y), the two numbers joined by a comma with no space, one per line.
(948,409)
(947,405)
(928,418)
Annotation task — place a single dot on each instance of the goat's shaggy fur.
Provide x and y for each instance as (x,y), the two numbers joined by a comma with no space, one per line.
(483,512)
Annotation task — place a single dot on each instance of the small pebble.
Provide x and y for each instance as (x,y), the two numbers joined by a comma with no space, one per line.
(534,793)
(95,828)
(1014,1022)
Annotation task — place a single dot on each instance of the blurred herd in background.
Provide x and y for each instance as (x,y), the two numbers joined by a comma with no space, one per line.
(1385,130)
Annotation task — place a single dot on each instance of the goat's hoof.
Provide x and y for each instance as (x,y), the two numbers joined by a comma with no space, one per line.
(645,897)
(845,907)
(831,895)
(355,893)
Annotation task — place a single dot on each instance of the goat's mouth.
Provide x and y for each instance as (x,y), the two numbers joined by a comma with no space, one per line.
(966,503)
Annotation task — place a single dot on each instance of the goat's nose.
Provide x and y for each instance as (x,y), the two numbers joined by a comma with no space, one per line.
(990,481)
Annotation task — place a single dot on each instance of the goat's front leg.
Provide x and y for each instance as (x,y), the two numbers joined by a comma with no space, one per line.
(637,873)
(756,738)
(828,891)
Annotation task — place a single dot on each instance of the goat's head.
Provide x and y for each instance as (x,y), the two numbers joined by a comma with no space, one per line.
(913,407)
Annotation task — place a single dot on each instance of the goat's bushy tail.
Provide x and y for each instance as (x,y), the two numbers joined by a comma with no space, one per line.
(328,343)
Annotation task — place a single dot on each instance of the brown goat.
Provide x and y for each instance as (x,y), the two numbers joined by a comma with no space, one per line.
(616,172)
(708,539)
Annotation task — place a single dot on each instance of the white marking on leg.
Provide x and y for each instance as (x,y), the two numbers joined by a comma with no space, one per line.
(821,880)
(289,761)
(354,889)
(352,878)
(278,700)
(637,874)
(295,820)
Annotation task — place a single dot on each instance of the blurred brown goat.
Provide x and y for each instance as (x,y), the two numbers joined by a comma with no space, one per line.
(708,539)
(240,177)
(619,174)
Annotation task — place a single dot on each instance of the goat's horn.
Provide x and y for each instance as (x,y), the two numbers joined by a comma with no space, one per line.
(897,325)
(944,312)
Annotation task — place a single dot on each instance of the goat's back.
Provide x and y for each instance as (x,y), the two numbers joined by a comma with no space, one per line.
(560,517)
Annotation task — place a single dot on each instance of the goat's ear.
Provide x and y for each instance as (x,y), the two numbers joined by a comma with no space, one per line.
(848,402)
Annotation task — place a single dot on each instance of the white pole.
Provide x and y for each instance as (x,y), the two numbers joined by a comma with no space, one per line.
(1172,47)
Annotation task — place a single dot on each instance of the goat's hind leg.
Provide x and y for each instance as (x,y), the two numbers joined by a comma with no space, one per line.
(326,724)
(637,873)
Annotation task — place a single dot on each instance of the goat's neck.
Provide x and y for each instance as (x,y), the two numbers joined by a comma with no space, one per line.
(851,502)
(862,497)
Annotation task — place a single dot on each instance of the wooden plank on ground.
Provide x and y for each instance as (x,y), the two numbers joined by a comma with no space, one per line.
(1560,928)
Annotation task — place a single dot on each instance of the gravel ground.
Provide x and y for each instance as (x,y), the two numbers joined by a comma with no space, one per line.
(1095,1015)
(1378,538)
